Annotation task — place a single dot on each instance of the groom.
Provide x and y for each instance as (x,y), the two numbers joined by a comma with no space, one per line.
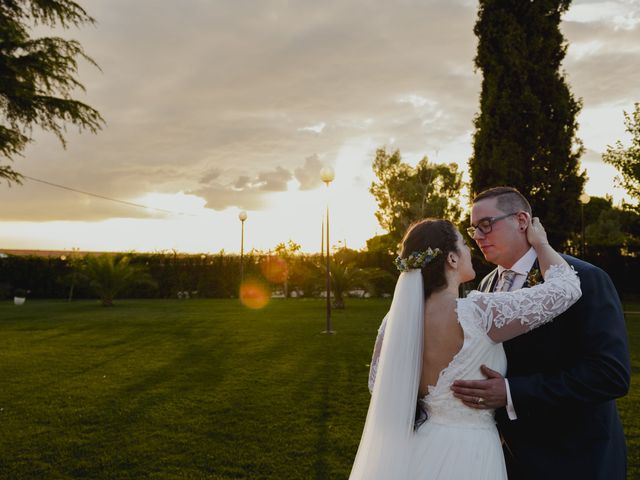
(559,419)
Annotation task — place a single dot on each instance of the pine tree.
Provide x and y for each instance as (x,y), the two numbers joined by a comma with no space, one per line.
(525,133)
(37,76)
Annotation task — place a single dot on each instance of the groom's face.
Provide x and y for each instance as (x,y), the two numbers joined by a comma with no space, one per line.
(500,245)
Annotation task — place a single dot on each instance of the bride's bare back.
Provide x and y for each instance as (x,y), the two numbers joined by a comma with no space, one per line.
(443,338)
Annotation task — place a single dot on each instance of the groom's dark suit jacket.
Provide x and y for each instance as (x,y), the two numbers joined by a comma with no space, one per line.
(563,378)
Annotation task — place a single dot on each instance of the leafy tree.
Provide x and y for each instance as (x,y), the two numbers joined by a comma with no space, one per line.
(525,133)
(38,76)
(630,220)
(307,277)
(109,276)
(595,207)
(287,252)
(627,160)
(606,231)
(346,255)
(610,228)
(384,244)
(377,281)
(406,194)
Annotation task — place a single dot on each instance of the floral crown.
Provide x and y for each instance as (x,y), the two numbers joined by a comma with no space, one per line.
(416,260)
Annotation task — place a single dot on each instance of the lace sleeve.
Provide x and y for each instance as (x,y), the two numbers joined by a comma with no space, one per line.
(373,369)
(506,315)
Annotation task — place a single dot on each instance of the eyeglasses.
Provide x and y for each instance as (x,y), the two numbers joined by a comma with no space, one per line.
(486,224)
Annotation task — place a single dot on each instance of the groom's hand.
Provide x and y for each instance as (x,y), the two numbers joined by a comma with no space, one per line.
(482,394)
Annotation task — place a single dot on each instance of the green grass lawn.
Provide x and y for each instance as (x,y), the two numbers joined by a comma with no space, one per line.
(195,389)
(629,406)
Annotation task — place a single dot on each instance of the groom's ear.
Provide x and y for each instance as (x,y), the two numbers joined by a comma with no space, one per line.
(524,220)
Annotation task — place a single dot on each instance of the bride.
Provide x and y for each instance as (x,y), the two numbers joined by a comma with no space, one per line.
(431,338)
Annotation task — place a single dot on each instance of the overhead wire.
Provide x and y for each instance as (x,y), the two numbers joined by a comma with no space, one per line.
(103,197)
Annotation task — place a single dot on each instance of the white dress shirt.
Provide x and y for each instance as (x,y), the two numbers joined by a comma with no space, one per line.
(522,268)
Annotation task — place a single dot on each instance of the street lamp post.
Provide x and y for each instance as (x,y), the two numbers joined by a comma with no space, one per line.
(72,263)
(327,175)
(322,241)
(242,216)
(584,199)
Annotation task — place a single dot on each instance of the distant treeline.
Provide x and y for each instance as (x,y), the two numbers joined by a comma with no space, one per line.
(218,275)
(205,276)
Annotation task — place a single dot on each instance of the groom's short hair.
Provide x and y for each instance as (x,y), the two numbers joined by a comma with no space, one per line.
(508,199)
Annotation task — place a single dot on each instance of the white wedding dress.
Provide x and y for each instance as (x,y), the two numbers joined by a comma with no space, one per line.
(456,442)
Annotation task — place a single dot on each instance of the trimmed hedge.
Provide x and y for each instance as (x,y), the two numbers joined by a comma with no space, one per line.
(208,276)
(218,276)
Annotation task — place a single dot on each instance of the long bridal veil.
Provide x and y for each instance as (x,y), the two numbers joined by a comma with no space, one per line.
(385,445)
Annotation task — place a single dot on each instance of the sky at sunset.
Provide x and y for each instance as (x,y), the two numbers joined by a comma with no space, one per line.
(213,107)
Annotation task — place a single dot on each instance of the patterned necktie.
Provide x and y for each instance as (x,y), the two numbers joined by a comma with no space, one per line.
(506,281)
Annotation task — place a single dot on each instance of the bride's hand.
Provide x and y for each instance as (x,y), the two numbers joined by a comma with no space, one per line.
(536,234)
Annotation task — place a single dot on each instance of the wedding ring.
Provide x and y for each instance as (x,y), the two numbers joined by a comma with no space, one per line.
(480,401)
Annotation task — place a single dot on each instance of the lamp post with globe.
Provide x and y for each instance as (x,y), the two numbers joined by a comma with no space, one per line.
(584,199)
(242,216)
(327,175)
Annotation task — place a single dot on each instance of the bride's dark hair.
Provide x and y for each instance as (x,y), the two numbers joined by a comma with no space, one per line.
(431,233)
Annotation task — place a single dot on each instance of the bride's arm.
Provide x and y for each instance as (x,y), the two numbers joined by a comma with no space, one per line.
(373,369)
(506,315)
(547,256)
(509,314)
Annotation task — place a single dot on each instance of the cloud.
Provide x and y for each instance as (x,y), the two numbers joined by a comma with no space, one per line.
(274,181)
(269,181)
(221,197)
(309,174)
(617,81)
(245,192)
(200,96)
(318,128)
(591,156)
(621,15)
(210,175)
(416,100)
(242,182)
(34,201)
(602,57)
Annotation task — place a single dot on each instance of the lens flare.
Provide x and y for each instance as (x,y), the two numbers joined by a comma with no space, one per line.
(254,295)
(274,269)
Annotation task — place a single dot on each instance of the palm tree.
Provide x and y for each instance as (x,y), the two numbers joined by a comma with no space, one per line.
(109,276)
(344,276)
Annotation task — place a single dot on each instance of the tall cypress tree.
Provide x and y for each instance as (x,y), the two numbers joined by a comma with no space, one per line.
(525,133)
